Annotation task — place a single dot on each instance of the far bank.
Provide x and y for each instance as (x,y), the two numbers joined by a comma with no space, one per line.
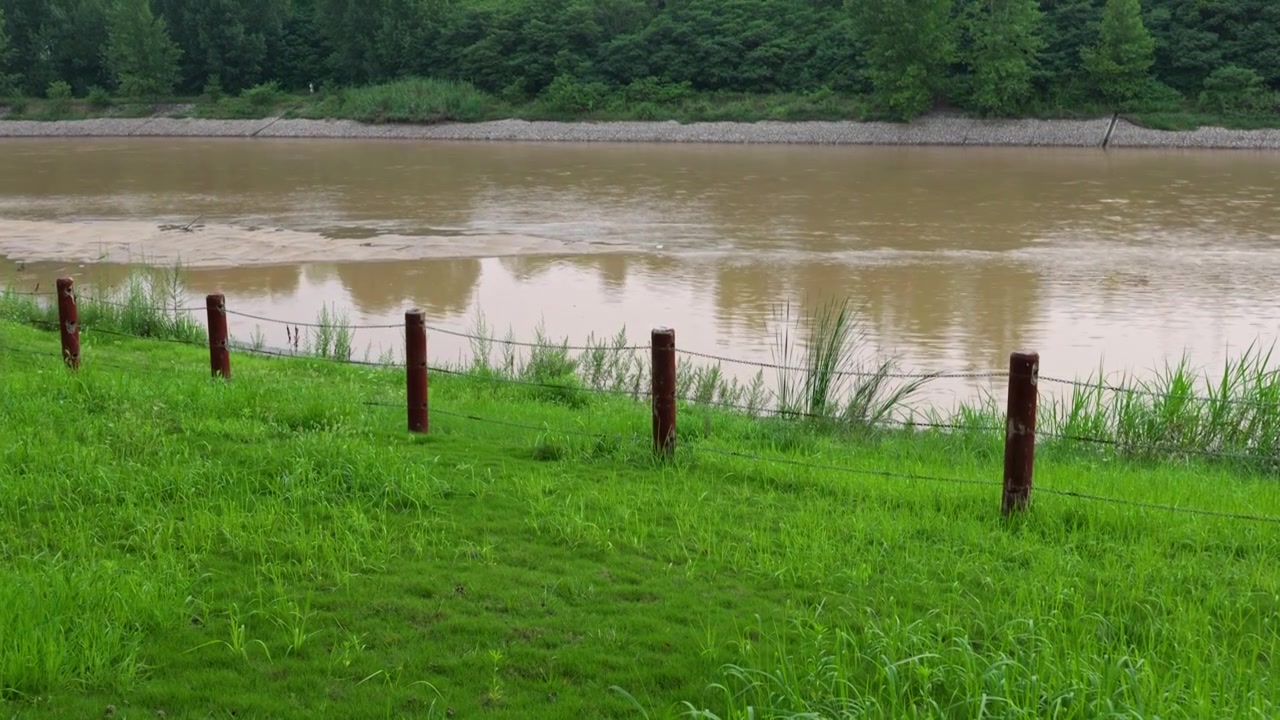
(936,130)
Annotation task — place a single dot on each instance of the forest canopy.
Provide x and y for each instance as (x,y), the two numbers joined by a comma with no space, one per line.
(989,57)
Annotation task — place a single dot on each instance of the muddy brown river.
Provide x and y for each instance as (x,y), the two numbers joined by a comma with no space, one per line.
(956,256)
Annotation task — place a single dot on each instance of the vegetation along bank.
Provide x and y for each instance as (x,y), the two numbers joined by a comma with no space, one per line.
(1162,64)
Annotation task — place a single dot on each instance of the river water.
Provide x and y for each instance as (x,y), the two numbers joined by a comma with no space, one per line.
(956,256)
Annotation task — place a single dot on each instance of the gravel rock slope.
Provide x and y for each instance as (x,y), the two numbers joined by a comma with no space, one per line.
(935,130)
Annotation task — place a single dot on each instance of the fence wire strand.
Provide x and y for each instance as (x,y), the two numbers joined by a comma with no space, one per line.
(88,363)
(942,374)
(81,301)
(445,331)
(1121,390)
(524,426)
(293,355)
(534,345)
(90,330)
(498,379)
(294,323)
(35,353)
(753,410)
(24,293)
(1157,506)
(842,468)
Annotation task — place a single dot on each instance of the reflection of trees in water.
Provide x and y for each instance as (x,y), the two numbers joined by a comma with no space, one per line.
(437,286)
(525,268)
(248,281)
(982,311)
(26,276)
(319,273)
(614,270)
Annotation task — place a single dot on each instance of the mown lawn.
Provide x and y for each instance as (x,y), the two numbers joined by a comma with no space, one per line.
(276,547)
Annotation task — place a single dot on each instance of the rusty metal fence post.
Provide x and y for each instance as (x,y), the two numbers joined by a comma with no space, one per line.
(415,338)
(1020,431)
(69,322)
(219,354)
(663,344)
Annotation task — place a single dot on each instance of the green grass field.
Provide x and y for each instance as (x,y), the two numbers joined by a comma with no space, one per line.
(274,546)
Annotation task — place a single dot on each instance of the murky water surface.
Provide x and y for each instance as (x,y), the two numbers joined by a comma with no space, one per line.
(956,256)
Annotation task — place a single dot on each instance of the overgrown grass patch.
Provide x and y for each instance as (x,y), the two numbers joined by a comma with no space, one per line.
(151,303)
(416,100)
(1192,120)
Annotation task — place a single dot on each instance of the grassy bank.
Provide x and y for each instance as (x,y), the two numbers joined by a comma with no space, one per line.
(434,101)
(277,546)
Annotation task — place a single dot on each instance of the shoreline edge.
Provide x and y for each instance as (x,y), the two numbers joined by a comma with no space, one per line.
(1102,133)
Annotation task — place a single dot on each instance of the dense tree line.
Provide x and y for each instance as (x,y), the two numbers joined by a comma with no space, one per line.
(999,57)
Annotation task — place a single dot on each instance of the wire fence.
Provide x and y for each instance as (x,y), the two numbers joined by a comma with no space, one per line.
(650,392)
(939,375)
(27,293)
(708,401)
(1094,385)
(916,375)
(1136,447)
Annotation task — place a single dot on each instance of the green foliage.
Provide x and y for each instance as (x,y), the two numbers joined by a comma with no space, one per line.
(98,98)
(1069,26)
(1120,63)
(1001,51)
(1185,120)
(1155,96)
(413,100)
(653,90)
(213,91)
(59,95)
(367,41)
(908,43)
(655,59)
(572,97)
(231,108)
(9,80)
(142,58)
(263,96)
(1233,90)
(56,40)
(59,92)
(229,38)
